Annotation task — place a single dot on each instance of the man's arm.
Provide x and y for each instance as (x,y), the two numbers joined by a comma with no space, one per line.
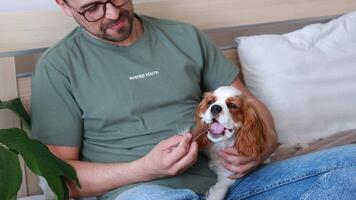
(95,178)
(241,165)
(165,159)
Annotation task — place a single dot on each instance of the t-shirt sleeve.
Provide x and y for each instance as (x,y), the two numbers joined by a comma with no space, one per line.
(56,117)
(218,70)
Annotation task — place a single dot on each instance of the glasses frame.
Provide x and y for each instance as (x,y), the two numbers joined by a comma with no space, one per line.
(98,3)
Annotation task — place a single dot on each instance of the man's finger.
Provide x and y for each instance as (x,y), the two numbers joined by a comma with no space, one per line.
(231,150)
(229,166)
(234,159)
(171,141)
(189,159)
(240,169)
(247,168)
(179,150)
(236,176)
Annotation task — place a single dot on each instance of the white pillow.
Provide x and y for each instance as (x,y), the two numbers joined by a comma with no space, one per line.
(307,78)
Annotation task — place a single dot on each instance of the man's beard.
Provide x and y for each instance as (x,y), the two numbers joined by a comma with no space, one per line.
(123,33)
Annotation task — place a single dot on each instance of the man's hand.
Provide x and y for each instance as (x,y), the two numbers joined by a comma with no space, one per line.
(236,163)
(170,157)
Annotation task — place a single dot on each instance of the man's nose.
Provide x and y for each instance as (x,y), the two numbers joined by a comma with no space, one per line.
(215,109)
(111,12)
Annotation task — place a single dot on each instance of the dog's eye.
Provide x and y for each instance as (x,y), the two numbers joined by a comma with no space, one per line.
(210,102)
(231,105)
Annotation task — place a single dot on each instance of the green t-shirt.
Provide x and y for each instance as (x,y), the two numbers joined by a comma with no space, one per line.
(117,102)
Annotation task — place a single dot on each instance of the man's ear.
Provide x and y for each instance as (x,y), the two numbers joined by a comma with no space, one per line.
(64,7)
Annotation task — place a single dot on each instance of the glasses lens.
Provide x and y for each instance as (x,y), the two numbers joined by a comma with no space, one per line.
(95,12)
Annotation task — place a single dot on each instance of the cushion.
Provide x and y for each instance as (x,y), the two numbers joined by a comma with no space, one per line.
(335,140)
(307,78)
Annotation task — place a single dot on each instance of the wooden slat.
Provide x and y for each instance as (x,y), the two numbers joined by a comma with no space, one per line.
(8,90)
(32,181)
(231,54)
(33,30)
(23,189)
(24,90)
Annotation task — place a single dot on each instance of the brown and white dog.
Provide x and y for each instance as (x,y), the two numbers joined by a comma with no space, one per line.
(234,122)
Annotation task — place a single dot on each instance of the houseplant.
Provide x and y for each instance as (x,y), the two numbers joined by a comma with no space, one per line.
(14,142)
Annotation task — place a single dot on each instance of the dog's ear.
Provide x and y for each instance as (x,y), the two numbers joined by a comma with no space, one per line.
(251,138)
(203,141)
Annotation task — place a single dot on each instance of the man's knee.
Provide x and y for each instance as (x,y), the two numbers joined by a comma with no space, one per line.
(336,184)
(154,192)
(141,192)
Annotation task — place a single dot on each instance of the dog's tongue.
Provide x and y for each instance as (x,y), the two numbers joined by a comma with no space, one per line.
(216,128)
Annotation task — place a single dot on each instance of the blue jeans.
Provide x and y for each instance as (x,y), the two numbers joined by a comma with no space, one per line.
(324,175)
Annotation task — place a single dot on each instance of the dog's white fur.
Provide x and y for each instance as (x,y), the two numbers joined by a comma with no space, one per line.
(218,191)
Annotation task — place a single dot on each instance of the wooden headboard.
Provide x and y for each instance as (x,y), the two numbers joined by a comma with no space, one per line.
(23,36)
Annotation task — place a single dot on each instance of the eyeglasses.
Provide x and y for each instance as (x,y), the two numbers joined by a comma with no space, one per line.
(97,10)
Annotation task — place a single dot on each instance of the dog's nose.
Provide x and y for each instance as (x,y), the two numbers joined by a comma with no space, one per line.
(215,109)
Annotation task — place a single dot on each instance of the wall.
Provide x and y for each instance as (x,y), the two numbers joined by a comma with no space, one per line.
(30,5)
(27,5)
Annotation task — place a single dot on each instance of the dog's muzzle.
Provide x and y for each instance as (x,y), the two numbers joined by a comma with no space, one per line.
(215,110)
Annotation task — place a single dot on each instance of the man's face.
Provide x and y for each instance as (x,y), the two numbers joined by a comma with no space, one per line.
(115,26)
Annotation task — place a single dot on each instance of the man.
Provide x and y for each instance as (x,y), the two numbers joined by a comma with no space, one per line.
(111,97)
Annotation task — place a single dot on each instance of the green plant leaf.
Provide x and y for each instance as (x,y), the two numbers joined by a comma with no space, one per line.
(17,107)
(40,160)
(10,174)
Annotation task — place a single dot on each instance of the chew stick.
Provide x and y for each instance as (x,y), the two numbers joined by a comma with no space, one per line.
(196,134)
(199,132)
